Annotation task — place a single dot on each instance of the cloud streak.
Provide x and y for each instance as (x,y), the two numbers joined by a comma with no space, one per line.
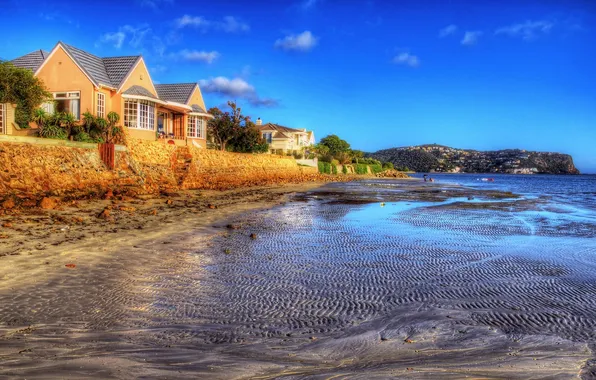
(302,42)
(228,24)
(407,59)
(196,56)
(471,37)
(528,30)
(235,88)
(448,30)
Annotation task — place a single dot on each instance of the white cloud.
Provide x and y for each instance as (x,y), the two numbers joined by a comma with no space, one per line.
(471,38)
(528,30)
(447,31)
(228,24)
(196,56)
(116,38)
(407,59)
(134,35)
(304,41)
(237,88)
(155,4)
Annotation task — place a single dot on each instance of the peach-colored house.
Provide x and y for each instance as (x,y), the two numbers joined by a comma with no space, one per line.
(82,82)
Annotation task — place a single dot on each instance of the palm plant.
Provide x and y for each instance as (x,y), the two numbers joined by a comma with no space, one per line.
(40,116)
(88,121)
(68,122)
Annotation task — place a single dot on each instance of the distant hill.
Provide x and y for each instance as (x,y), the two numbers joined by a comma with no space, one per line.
(439,158)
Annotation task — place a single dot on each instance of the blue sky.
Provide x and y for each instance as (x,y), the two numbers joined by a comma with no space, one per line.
(469,74)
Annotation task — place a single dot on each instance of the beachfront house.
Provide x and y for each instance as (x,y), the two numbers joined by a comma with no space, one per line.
(283,140)
(82,82)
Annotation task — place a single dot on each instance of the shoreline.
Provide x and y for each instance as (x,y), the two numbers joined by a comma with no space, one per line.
(95,320)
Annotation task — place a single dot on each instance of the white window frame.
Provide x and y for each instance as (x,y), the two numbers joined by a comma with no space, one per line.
(196,127)
(101,105)
(3,128)
(68,95)
(144,114)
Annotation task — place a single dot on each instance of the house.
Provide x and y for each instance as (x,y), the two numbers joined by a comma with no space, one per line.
(82,82)
(283,139)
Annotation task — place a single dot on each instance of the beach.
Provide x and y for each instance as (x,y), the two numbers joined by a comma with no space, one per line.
(363,279)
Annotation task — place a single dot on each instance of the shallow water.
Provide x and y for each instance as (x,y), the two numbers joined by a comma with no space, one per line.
(369,279)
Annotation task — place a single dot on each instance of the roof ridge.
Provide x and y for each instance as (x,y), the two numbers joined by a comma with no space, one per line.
(122,56)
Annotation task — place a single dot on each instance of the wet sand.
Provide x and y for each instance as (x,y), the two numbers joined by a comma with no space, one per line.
(435,281)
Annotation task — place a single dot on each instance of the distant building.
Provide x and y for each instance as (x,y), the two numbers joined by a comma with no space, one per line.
(283,139)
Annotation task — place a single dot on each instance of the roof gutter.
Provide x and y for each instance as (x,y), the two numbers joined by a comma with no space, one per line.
(141,97)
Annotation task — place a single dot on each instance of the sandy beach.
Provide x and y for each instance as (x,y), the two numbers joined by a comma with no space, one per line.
(283,282)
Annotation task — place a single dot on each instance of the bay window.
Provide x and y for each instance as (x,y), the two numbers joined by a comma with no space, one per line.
(139,114)
(196,127)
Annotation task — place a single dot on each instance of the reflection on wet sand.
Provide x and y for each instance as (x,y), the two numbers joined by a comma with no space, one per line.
(339,284)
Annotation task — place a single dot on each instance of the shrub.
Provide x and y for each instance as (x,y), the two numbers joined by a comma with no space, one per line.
(388,165)
(298,155)
(361,169)
(369,161)
(279,152)
(377,168)
(83,137)
(324,167)
(52,131)
(334,162)
(333,169)
(311,156)
(344,169)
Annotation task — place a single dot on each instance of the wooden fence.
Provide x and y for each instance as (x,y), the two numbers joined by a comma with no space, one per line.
(107,154)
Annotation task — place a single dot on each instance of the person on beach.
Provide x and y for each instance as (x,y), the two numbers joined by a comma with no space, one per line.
(424,176)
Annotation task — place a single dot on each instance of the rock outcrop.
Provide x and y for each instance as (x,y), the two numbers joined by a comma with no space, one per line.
(438,158)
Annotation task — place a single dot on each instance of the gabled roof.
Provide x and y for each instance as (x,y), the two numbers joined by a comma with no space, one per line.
(278,128)
(139,91)
(109,72)
(32,60)
(176,92)
(118,68)
(280,135)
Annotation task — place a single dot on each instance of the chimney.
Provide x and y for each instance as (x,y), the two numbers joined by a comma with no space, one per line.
(259,121)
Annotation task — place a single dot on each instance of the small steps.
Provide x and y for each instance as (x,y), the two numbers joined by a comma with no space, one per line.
(181,163)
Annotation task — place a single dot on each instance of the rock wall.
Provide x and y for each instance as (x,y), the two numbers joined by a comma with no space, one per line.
(147,166)
(30,169)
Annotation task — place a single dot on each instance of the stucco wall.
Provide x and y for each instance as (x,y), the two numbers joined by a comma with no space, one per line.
(60,73)
(197,98)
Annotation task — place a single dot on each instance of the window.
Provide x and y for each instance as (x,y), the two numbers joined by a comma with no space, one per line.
(267,136)
(139,114)
(2,118)
(67,102)
(101,104)
(196,127)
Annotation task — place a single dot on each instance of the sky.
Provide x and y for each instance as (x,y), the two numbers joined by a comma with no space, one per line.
(474,74)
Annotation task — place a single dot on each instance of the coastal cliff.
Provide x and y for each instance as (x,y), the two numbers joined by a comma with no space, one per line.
(439,158)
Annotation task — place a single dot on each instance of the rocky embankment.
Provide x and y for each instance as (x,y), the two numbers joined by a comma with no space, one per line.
(438,158)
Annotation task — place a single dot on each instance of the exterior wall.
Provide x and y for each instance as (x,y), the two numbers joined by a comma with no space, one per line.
(140,77)
(141,134)
(197,98)
(9,118)
(108,97)
(60,73)
(201,142)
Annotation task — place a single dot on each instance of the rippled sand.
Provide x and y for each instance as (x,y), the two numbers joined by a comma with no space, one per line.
(363,280)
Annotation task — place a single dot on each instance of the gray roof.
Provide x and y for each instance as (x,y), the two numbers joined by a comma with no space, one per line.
(277,127)
(139,91)
(91,64)
(197,108)
(118,68)
(177,92)
(109,71)
(32,60)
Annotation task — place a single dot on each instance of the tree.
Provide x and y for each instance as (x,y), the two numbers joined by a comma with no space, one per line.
(357,155)
(335,144)
(20,86)
(225,126)
(248,139)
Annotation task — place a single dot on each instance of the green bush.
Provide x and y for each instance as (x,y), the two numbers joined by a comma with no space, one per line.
(344,169)
(84,137)
(333,169)
(52,131)
(298,155)
(376,168)
(369,161)
(311,156)
(324,167)
(361,169)
(279,152)
(388,165)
